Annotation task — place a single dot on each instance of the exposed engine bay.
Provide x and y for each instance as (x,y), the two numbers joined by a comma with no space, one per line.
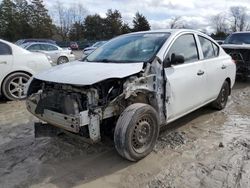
(82,109)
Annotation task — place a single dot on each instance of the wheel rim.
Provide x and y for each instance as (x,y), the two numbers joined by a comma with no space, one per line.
(62,60)
(16,87)
(143,134)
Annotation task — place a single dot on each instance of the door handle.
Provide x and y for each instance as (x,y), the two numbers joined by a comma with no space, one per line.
(3,62)
(223,67)
(200,72)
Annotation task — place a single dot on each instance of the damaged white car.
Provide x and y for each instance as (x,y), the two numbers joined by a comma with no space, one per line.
(137,82)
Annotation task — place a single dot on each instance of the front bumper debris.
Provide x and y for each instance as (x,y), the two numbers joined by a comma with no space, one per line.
(72,123)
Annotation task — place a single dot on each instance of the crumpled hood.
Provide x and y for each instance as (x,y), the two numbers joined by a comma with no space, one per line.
(235,46)
(88,73)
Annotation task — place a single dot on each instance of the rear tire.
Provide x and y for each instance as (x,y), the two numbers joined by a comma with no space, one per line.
(221,101)
(136,131)
(13,86)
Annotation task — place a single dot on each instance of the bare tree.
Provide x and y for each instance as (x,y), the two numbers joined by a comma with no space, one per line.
(219,22)
(67,16)
(176,23)
(239,18)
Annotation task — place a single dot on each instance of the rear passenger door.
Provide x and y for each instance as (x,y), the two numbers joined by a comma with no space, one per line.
(215,69)
(51,51)
(34,48)
(187,81)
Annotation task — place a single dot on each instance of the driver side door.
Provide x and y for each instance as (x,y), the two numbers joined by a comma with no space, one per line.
(187,80)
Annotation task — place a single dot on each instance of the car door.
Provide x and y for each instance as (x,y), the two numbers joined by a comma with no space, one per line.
(186,81)
(215,67)
(6,59)
(51,51)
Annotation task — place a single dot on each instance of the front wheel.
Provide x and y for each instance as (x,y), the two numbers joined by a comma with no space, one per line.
(221,101)
(136,131)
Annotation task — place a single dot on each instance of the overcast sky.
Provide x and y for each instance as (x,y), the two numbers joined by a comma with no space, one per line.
(196,13)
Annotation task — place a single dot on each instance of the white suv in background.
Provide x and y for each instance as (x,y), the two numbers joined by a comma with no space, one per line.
(17,65)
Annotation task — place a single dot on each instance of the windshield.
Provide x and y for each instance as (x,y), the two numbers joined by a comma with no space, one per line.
(98,44)
(24,45)
(238,38)
(141,47)
(19,42)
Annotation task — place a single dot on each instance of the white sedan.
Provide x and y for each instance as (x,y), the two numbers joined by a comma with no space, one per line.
(17,65)
(58,55)
(139,81)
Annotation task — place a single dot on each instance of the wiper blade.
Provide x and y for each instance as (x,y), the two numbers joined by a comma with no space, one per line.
(104,60)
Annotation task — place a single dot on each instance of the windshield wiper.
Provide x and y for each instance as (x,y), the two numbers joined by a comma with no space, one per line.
(104,60)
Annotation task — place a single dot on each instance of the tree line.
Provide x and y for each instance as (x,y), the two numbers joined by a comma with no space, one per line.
(31,19)
(234,20)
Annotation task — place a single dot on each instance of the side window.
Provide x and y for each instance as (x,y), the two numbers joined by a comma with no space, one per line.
(216,49)
(34,47)
(5,49)
(209,49)
(185,45)
(50,47)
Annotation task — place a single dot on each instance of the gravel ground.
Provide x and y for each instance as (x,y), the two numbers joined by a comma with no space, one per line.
(204,149)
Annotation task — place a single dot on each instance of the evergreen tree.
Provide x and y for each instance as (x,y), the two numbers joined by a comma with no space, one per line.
(76,32)
(140,23)
(113,24)
(94,27)
(23,17)
(40,20)
(125,29)
(7,20)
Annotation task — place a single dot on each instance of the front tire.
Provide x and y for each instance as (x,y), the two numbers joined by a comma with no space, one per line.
(136,131)
(13,86)
(221,101)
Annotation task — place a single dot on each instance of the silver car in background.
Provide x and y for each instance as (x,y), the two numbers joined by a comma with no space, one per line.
(58,55)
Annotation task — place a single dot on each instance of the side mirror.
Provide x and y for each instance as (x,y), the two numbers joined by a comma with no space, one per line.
(177,59)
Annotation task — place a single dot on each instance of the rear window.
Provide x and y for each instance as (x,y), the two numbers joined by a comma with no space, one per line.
(209,49)
(238,38)
(5,49)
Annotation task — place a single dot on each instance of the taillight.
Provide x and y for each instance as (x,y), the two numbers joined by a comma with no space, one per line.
(234,61)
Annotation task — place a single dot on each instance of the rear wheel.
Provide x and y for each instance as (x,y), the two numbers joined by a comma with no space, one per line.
(221,101)
(136,131)
(13,86)
(62,60)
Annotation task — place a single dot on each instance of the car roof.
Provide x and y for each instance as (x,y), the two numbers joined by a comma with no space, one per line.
(30,43)
(172,31)
(247,32)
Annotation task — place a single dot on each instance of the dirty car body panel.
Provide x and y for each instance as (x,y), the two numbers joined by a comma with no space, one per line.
(130,69)
(237,45)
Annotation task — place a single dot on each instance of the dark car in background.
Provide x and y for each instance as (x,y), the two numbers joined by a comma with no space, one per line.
(237,45)
(74,46)
(23,41)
